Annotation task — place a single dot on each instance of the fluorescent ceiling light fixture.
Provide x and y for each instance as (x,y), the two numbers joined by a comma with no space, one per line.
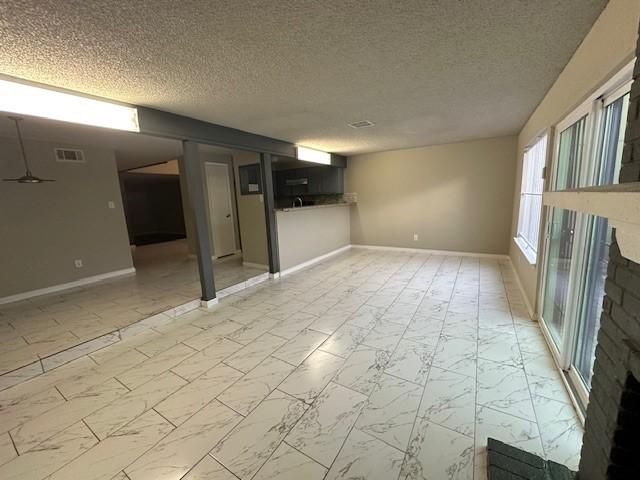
(66,107)
(311,155)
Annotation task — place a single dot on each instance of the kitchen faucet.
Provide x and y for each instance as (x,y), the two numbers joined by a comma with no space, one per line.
(295,200)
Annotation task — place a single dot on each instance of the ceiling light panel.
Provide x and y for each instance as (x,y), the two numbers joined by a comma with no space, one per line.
(311,155)
(41,102)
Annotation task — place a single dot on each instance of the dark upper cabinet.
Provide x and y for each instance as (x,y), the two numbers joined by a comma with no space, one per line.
(333,180)
(309,181)
(315,180)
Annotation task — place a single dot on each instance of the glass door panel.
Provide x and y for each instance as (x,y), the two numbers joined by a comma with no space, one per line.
(556,287)
(595,273)
(570,148)
(598,240)
(561,232)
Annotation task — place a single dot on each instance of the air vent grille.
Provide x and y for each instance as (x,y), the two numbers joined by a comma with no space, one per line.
(69,155)
(361,124)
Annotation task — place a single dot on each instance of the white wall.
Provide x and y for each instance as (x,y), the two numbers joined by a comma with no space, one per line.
(456,196)
(308,233)
(607,47)
(45,227)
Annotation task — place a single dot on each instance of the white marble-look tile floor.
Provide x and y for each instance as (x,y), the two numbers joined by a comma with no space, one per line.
(166,277)
(371,365)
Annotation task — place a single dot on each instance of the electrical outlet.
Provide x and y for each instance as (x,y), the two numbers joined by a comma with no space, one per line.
(78,263)
(415,237)
(112,204)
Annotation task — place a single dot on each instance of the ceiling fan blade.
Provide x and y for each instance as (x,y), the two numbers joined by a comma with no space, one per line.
(27,179)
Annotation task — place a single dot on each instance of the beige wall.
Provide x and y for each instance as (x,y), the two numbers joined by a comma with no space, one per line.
(607,47)
(309,233)
(455,197)
(45,227)
(253,227)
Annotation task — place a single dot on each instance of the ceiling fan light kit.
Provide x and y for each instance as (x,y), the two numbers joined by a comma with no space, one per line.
(28,177)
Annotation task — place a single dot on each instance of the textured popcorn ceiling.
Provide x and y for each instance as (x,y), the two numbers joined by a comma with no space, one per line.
(424,71)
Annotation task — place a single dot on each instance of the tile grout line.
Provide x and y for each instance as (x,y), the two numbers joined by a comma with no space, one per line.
(128,389)
(13,443)
(60,392)
(302,453)
(90,429)
(208,454)
(170,422)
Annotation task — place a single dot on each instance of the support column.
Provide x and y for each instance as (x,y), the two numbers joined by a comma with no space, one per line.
(269,213)
(194,182)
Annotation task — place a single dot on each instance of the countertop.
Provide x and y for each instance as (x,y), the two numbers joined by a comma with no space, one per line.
(310,207)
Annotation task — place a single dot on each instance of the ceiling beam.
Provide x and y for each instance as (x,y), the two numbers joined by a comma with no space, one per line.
(170,125)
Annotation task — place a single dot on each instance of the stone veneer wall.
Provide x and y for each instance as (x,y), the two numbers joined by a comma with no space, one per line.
(607,451)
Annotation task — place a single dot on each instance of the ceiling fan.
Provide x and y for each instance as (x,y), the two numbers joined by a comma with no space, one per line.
(28,177)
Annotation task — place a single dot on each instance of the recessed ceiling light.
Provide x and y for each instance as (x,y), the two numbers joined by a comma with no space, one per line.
(361,124)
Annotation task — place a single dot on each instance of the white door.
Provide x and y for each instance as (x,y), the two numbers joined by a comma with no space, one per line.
(220,210)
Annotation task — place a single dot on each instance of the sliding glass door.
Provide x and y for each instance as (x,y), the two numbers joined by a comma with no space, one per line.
(598,240)
(561,232)
(588,153)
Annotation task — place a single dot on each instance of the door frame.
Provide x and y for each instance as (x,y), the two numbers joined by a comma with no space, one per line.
(231,204)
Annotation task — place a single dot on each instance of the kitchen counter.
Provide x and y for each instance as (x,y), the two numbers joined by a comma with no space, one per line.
(312,207)
(311,232)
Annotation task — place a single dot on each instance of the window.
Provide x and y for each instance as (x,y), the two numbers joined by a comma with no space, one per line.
(531,198)
(587,152)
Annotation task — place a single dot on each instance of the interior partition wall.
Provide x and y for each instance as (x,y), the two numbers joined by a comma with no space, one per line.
(587,152)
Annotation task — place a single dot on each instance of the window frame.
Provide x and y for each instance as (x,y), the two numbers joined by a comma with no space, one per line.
(525,245)
(592,108)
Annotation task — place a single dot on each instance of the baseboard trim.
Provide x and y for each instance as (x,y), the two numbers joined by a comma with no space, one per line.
(66,286)
(320,258)
(314,260)
(530,309)
(209,303)
(433,252)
